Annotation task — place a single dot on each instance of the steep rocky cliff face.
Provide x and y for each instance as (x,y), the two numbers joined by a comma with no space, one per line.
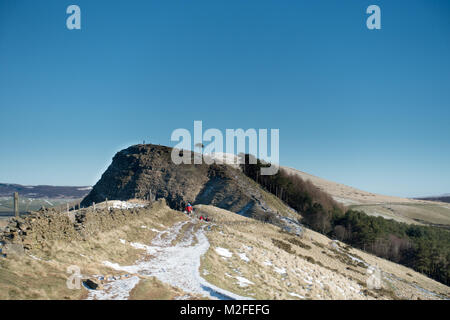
(147,171)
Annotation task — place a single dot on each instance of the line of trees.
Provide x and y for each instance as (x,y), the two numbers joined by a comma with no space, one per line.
(422,248)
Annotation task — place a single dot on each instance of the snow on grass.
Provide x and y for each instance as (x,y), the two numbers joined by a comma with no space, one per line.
(279,270)
(115,290)
(116,266)
(223,252)
(293,294)
(357,260)
(117,204)
(243,282)
(176,265)
(149,249)
(122,241)
(244,257)
(267,263)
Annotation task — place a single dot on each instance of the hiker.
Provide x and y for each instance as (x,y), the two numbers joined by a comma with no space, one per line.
(188,208)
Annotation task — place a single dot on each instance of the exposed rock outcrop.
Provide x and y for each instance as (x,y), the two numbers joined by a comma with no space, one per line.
(147,172)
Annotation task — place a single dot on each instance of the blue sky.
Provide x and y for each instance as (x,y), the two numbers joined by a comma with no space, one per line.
(366,108)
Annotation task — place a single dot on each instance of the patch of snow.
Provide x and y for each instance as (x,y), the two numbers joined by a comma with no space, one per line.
(352,288)
(178,265)
(267,263)
(224,252)
(149,249)
(116,266)
(122,241)
(243,282)
(117,204)
(293,294)
(244,257)
(340,290)
(279,270)
(357,260)
(116,290)
(34,257)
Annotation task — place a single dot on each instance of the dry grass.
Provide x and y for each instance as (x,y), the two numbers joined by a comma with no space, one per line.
(153,289)
(45,276)
(309,267)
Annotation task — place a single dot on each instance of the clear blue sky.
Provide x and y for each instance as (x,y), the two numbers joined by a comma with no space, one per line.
(366,108)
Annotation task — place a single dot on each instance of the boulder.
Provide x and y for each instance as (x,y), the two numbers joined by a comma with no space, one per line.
(93,284)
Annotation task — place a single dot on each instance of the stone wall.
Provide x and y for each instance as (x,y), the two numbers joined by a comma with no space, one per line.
(38,228)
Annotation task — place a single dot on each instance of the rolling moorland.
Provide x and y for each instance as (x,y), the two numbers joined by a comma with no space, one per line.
(426,211)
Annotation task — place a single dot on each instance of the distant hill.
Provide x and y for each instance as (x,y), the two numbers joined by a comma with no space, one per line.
(429,211)
(442,198)
(43,191)
(32,198)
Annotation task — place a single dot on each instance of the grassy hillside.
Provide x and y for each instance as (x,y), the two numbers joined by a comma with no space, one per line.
(412,211)
(426,249)
(140,254)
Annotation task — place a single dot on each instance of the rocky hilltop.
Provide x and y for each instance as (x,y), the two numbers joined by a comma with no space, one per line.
(147,172)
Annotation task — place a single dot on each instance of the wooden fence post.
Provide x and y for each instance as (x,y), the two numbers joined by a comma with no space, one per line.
(16,204)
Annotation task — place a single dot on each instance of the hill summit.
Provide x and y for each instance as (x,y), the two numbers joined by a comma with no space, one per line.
(146,171)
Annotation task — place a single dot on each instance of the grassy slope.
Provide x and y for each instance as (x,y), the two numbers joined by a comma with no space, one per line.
(412,213)
(25,277)
(315,270)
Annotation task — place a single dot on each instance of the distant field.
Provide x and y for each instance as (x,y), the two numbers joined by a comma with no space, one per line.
(420,213)
(29,204)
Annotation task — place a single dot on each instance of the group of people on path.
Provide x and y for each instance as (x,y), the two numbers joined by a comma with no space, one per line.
(189,210)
